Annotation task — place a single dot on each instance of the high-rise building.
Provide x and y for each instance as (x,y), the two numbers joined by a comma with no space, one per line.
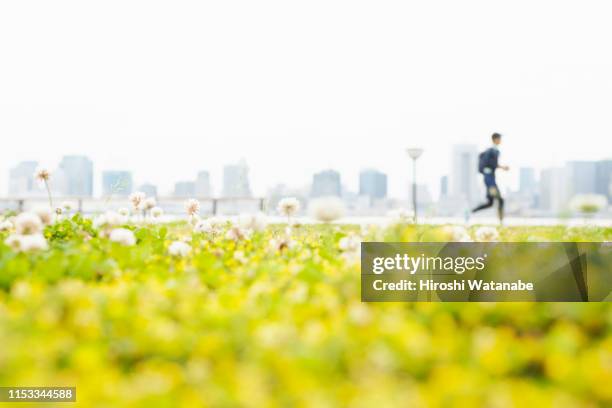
(116,183)
(326,183)
(581,177)
(464,175)
(202,185)
(184,189)
(236,180)
(21,180)
(603,178)
(149,189)
(78,174)
(443,186)
(527,180)
(554,190)
(372,183)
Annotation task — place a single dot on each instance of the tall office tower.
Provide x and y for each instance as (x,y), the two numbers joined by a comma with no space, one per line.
(202,187)
(117,183)
(184,189)
(326,183)
(581,177)
(527,180)
(21,180)
(464,175)
(554,190)
(372,183)
(149,189)
(78,176)
(443,186)
(603,178)
(236,180)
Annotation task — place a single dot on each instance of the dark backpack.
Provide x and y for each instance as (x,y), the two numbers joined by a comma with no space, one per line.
(484,160)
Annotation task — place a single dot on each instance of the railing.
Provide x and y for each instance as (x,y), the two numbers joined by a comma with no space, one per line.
(170,205)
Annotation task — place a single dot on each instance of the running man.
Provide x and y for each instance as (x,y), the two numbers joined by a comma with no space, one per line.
(487,164)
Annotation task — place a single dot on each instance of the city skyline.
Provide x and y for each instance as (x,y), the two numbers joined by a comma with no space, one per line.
(549,190)
(398,180)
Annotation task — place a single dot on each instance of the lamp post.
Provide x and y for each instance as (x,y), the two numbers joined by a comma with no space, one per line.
(414,154)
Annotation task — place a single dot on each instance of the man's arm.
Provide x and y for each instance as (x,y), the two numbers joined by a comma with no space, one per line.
(496,161)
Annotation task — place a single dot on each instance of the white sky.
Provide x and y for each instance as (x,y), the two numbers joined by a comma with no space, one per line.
(169,88)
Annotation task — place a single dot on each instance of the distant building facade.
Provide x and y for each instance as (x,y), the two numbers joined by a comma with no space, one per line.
(464,176)
(603,178)
(184,189)
(202,185)
(236,180)
(326,183)
(372,183)
(21,180)
(554,190)
(581,177)
(527,180)
(117,183)
(149,189)
(443,186)
(77,172)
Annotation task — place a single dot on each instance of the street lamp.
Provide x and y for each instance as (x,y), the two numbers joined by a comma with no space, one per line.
(414,154)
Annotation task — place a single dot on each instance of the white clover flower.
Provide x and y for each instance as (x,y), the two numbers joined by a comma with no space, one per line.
(282,243)
(122,236)
(99,221)
(156,212)
(5,225)
(14,241)
(45,215)
(350,246)
(108,219)
(239,256)
(28,223)
(456,233)
(254,222)
(237,233)
(212,225)
(486,234)
(350,243)
(148,203)
(42,174)
(192,207)
(216,222)
(124,212)
(203,226)
(288,206)
(179,249)
(33,242)
(327,209)
(114,219)
(137,199)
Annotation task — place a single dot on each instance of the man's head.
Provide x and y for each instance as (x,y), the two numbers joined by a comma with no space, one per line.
(496,138)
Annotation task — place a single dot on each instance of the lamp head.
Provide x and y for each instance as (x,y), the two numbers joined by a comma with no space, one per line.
(414,152)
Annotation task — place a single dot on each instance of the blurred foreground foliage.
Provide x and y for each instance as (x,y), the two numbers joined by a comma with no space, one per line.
(246,324)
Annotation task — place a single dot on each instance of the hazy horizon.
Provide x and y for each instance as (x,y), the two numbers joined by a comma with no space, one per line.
(168,89)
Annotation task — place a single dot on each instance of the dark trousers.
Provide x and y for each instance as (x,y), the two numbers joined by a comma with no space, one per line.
(492,194)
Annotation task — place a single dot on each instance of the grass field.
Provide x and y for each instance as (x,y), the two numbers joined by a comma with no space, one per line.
(266,316)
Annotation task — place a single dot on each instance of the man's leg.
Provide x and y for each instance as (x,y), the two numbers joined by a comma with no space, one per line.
(488,204)
(491,192)
(500,209)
